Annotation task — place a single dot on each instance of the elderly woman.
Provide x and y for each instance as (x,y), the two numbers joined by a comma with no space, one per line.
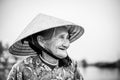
(45,41)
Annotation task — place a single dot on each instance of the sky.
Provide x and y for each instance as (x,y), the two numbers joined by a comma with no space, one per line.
(99,18)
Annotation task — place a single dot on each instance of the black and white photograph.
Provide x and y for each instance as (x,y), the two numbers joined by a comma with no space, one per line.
(59,39)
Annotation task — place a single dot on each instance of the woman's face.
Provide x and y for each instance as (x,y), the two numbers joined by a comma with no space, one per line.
(59,43)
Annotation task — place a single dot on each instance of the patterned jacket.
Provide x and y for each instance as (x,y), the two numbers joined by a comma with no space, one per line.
(33,68)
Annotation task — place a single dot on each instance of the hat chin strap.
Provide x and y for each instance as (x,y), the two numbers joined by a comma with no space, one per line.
(48,52)
(38,48)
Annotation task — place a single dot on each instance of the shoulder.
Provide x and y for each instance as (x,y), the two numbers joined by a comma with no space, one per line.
(30,61)
(25,67)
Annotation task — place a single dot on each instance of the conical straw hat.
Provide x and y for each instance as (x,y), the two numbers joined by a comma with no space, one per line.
(39,23)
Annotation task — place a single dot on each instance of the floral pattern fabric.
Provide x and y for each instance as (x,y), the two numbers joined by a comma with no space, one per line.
(32,68)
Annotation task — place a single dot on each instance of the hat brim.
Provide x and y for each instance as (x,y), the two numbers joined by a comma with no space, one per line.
(23,49)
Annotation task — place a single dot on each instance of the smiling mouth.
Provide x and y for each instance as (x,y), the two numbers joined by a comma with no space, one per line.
(62,48)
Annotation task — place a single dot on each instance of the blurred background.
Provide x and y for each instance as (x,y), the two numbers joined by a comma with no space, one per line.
(97,52)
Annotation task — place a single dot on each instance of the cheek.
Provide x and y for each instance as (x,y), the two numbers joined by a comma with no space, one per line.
(51,46)
(56,44)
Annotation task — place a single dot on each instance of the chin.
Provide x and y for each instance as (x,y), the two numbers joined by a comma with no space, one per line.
(62,55)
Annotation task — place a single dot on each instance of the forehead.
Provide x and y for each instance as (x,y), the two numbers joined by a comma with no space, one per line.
(60,30)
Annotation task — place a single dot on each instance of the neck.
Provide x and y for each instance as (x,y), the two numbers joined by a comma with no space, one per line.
(49,59)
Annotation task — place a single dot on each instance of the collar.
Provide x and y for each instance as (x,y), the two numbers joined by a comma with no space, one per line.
(52,66)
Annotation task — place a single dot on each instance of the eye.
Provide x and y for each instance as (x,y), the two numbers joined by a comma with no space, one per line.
(64,37)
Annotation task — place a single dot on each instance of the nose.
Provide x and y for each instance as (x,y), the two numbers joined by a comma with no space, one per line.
(66,44)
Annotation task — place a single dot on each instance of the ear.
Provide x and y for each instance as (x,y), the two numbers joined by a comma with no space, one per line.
(41,40)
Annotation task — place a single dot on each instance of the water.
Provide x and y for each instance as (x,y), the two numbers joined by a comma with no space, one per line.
(94,73)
